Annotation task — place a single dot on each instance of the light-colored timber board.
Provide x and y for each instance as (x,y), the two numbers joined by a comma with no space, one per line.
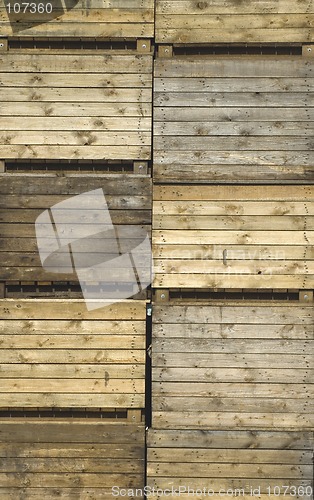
(217,95)
(222,237)
(232,365)
(121,81)
(104,19)
(186,22)
(55,353)
(70,459)
(218,460)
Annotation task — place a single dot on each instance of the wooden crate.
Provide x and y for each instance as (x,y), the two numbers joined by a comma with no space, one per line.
(69,459)
(233,119)
(55,353)
(23,197)
(219,460)
(63,106)
(233,21)
(233,365)
(97,19)
(233,236)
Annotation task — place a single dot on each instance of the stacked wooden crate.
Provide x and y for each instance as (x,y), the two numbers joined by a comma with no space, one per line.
(75,116)
(232,380)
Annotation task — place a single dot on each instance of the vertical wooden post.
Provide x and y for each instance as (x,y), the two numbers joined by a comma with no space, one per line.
(2,166)
(2,290)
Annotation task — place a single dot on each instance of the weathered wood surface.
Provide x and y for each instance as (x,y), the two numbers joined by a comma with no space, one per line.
(67,106)
(218,460)
(230,119)
(23,197)
(97,19)
(232,366)
(55,353)
(231,21)
(233,236)
(69,459)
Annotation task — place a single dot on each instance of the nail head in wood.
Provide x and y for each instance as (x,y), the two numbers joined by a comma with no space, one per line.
(140,167)
(134,416)
(3,45)
(162,295)
(306,296)
(165,51)
(308,50)
(143,46)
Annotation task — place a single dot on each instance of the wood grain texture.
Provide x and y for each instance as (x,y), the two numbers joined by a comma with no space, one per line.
(70,459)
(55,353)
(102,19)
(232,21)
(52,121)
(25,196)
(233,236)
(214,367)
(218,460)
(221,119)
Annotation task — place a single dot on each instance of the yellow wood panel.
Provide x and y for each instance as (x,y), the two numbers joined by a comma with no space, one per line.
(55,353)
(121,82)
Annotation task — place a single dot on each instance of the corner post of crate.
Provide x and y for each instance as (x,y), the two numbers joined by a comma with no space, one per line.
(134,416)
(162,295)
(2,290)
(2,166)
(306,296)
(140,167)
(165,51)
(308,50)
(3,45)
(143,46)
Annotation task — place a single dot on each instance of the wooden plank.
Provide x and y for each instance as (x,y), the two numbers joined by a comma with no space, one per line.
(230,7)
(227,439)
(234,193)
(252,421)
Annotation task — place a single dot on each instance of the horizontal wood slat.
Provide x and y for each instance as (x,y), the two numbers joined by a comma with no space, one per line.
(72,459)
(230,21)
(23,197)
(101,19)
(233,237)
(55,353)
(230,119)
(215,461)
(233,376)
(62,106)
